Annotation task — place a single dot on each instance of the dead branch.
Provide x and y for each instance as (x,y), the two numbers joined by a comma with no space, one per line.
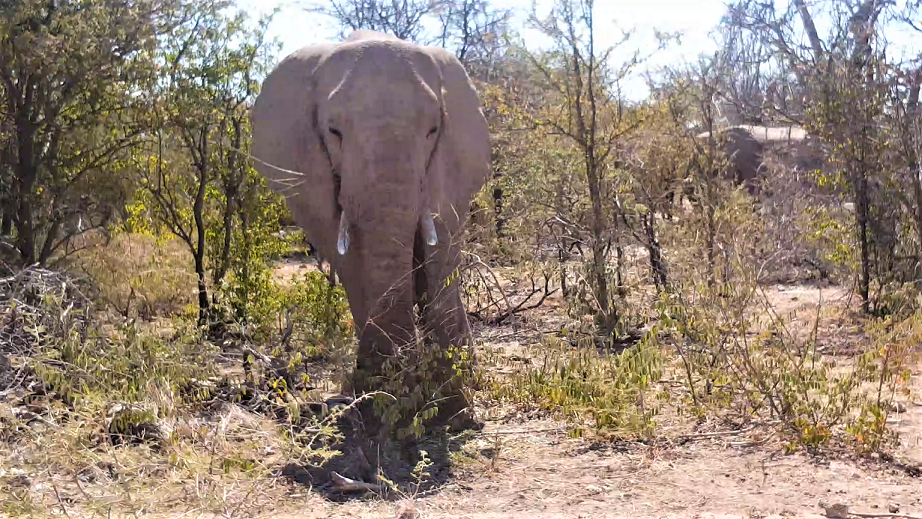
(545,291)
(717,434)
(344,484)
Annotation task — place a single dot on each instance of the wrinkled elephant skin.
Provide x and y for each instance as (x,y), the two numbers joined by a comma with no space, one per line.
(378,146)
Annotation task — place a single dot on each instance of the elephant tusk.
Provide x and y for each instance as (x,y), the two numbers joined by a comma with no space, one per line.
(429,228)
(342,242)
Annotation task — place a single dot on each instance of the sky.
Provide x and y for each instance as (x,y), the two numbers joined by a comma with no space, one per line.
(695,19)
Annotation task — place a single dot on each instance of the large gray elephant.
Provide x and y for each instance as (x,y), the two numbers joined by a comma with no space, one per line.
(379,146)
(745,147)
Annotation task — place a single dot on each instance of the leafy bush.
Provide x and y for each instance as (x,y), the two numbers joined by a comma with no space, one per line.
(739,368)
(125,363)
(307,311)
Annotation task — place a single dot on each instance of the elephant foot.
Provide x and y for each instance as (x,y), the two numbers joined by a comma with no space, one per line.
(465,420)
(457,415)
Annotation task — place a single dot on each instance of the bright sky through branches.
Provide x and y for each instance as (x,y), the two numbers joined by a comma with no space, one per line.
(295,28)
(695,19)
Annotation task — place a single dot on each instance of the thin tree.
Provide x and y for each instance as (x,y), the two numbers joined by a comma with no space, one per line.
(400,18)
(589,117)
(58,91)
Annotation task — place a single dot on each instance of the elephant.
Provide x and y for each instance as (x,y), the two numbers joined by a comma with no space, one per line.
(745,146)
(379,146)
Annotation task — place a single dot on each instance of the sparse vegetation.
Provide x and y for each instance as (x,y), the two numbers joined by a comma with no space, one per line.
(622,286)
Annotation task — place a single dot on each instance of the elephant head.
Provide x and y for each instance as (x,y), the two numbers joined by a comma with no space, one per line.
(378,146)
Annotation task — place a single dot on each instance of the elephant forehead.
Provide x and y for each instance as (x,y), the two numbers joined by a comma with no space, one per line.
(390,102)
(380,79)
(395,62)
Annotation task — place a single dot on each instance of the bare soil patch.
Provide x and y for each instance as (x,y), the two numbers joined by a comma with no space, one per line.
(537,473)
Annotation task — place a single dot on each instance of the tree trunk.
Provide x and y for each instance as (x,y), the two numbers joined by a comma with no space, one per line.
(202,288)
(48,246)
(563,255)
(25,232)
(198,209)
(231,197)
(912,150)
(655,250)
(619,255)
(810,29)
(228,231)
(861,217)
(598,243)
(498,212)
(26,173)
(861,31)
(7,210)
(6,223)
(241,311)
(710,237)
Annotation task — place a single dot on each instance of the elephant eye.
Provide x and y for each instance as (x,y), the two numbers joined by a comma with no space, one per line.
(335,132)
(432,131)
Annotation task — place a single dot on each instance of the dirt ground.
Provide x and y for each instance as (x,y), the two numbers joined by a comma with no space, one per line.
(547,476)
(534,470)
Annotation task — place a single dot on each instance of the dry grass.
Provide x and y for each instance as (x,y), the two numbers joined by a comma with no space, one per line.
(140,275)
(205,464)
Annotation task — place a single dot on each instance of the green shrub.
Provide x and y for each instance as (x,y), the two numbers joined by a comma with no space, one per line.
(122,364)
(741,369)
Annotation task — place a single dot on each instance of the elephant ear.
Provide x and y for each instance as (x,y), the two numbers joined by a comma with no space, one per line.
(288,149)
(461,162)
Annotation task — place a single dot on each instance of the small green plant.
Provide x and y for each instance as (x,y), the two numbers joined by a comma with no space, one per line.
(415,383)
(420,472)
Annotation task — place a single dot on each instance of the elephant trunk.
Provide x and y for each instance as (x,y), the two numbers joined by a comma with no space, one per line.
(379,281)
(383,214)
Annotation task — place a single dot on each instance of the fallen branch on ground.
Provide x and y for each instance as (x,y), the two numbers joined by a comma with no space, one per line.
(545,291)
(344,484)
(717,434)
(841,511)
(529,431)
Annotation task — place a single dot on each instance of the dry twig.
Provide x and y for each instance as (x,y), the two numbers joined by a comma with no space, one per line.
(841,511)
(344,484)
(716,434)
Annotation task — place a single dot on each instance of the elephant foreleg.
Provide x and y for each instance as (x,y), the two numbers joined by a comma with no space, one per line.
(444,321)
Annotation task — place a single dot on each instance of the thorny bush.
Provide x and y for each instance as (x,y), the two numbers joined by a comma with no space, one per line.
(745,365)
